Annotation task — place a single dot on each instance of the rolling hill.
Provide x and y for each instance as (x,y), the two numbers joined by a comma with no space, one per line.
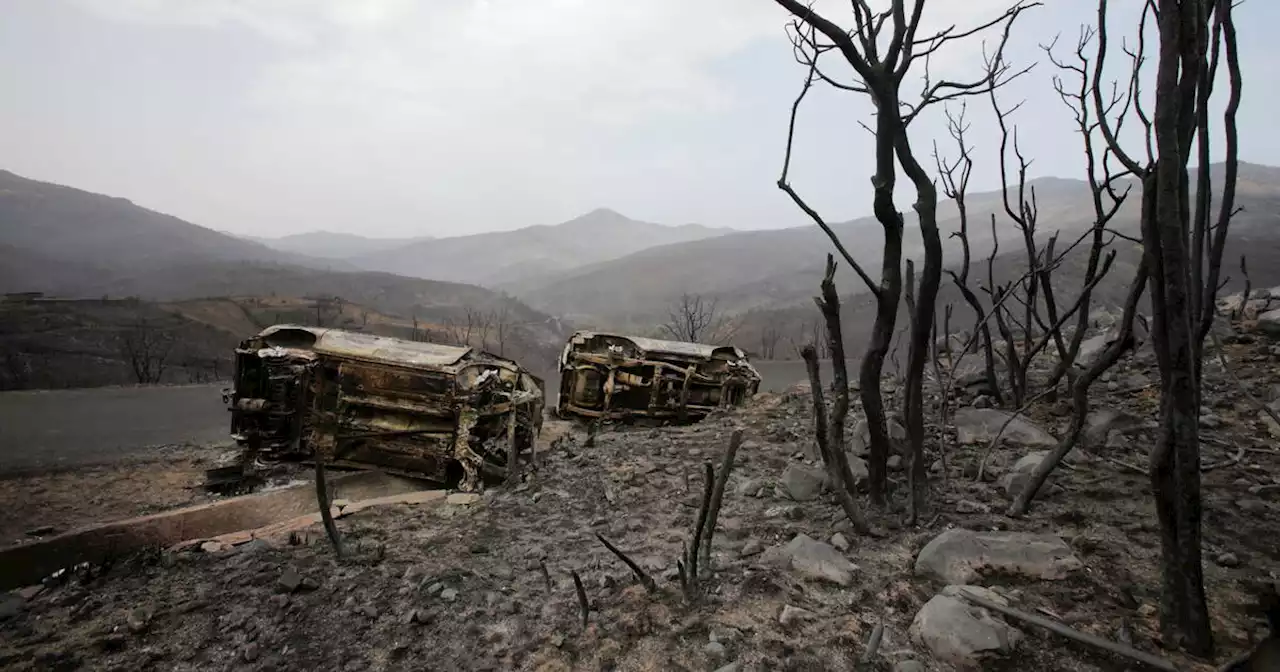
(509,258)
(334,245)
(781,269)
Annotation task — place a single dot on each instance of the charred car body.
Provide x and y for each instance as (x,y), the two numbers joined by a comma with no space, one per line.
(610,376)
(444,413)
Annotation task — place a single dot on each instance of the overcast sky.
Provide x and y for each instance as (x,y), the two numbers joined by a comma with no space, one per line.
(447,117)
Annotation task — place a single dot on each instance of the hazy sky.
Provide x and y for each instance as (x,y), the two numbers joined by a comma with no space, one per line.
(446,117)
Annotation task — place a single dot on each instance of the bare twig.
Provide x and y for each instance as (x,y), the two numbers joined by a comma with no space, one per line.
(717,495)
(546,575)
(582,597)
(1072,634)
(326,516)
(641,575)
(873,644)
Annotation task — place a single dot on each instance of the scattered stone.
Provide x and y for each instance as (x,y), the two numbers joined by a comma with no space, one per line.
(289,581)
(978,425)
(803,483)
(731,667)
(1100,423)
(982,402)
(840,542)
(41,531)
(751,487)
(449,594)
(752,547)
(368,611)
(958,556)
(213,547)
(715,650)
(969,506)
(11,604)
(961,633)
(811,559)
(1269,322)
(858,467)
(250,652)
(1017,479)
(894,462)
(462,498)
(436,588)
(138,620)
(1210,421)
(794,616)
(1252,505)
(908,666)
(1228,559)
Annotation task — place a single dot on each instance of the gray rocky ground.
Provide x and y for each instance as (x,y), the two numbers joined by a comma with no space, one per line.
(462,585)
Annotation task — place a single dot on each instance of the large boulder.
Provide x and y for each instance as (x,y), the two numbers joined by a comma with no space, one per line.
(979,425)
(960,556)
(811,559)
(1269,322)
(961,633)
(803,483)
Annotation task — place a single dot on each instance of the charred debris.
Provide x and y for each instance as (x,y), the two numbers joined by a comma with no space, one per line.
(615,377)
(453,415)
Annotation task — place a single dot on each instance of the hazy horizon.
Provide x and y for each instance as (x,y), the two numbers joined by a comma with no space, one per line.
(395,119)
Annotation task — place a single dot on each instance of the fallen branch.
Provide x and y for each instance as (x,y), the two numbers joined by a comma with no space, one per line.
(982,462)
(582,597)
(1072,634)
(641,575)
(1235,459)
(1222,357)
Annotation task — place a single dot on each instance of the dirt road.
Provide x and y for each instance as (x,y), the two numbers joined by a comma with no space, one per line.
(53,429)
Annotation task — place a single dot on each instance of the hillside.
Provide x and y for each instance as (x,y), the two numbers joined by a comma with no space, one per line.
(334,245)
(780,269)
(510,258)
(88,233)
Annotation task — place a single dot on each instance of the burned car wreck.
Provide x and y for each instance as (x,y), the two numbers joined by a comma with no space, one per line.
(445,413)
(615,377)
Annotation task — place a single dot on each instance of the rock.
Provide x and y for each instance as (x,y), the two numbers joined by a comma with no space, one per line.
(894,462)
(213,547)
(1252,505)
(731,667)
(982,402)
(250,652)
(1210,421)
(811,559)
(11,604)
(750,487)
(714,650)
(859,439)
(803,483)
(970,506)
(1227,560)
(840,542)
(908,666)
(978,425)
(1269,322)
(1099,424)
(463,498)
(961,633)
(794,616)
(449,594)
(289,581)
(858,467)
(1017,478)
(752,547)
(957,556)
(138,620)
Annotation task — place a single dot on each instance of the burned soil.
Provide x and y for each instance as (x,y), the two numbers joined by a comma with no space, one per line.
(462,585)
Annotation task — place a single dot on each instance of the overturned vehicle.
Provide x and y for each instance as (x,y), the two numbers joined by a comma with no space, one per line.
(609,376)
(449,414)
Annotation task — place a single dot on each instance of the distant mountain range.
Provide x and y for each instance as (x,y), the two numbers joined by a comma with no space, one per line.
(331,245)
(601,269)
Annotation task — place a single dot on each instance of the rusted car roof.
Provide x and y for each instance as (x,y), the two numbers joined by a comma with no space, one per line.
(657,345)
(368,347)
